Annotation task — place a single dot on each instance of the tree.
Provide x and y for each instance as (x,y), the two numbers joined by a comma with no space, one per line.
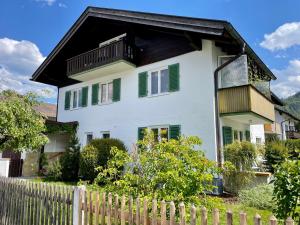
(21,126)
(174,170)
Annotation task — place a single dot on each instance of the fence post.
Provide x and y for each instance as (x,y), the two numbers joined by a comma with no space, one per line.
(289,221)
(77,205)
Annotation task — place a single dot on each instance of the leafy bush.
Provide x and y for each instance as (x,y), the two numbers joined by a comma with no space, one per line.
(275,153)
(242,155)
(271,138)
(43,163)
(96,154)
(293,146)
(54,171)
(170,170)
(88,163)
(260,197)
(287,189)
(70,160)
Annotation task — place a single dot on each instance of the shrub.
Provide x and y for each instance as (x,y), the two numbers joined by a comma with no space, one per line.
(171,170)
(54,171)
(98,153)
(260,197)
(287,189)
(293,146)
(43,163)
(271,138)
(88,163)
(242,155)
(275,153)
(70,160)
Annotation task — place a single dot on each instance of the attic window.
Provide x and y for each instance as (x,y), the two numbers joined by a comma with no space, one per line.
(115,39)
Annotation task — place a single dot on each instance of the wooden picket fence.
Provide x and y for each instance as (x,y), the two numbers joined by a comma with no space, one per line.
(27,203)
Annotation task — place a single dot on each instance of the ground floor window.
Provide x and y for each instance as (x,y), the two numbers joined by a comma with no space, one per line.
(105,134)
(89,138)
(160,133)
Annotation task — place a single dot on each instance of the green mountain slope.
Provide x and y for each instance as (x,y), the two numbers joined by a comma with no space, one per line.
(293,104)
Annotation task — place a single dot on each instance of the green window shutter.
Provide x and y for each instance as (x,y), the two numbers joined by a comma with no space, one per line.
(141,133)
(174,77)
(247,134)
(227,135)
(67,100)
(116,90)
(174,132)
(84,96)
(95,94)
(143,84)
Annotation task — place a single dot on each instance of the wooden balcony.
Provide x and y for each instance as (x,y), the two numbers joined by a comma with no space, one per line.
(245,104)
(273,128)
(119,55)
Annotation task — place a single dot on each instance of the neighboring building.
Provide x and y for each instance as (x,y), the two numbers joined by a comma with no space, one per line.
(285,122)
(119,72)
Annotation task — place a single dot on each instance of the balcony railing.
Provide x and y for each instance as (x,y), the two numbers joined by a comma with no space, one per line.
(119,50)
(243,71)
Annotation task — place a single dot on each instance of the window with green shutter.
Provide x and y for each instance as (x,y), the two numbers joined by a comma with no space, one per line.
(95,94)
(227,135)
(84,96)
(141,133)
(116,90)
(174,131)
(174,77)
(143,84)
(67,100)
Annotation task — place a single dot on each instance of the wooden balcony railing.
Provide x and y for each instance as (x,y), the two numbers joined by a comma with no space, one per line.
(119,50)
(245,99)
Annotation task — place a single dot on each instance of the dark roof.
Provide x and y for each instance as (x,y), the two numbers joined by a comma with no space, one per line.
(276,100)
(283,110)
(209,27)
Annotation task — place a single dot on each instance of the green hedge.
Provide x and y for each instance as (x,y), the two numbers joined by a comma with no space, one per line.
(96,154)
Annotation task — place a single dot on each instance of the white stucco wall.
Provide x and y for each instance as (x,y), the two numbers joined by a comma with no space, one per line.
(57,143)
(192,106)
(4,167)
(283,119)
(257,132)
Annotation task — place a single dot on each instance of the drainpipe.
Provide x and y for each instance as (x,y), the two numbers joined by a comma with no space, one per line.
(281,125)
(216,96)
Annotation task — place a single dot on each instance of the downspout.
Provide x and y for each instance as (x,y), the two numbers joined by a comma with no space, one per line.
(216,96)
(281,125)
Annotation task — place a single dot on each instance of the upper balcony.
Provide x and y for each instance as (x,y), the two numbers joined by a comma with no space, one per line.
(244,92)
(112,57)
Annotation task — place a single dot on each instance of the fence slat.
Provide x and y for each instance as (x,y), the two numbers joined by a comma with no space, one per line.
(172,213)
(182,213)
(163,211)
(123,202)
(97,208)
(116,213)
(216,217)
(154,212)
(289,221)
(137,213)
(145,212)
(193,215)
(229,219)
(273,220)
(243,218)
(91,208)
(257,219)
(103,208)
(203,216)
(109,209)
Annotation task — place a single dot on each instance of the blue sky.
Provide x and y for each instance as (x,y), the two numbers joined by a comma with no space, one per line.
(30,29)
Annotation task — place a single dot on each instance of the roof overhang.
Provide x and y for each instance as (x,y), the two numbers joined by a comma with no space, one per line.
(208,28)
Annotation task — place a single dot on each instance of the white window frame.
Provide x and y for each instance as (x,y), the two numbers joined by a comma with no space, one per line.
(159,81)
(79,95)
(86,137)
(159,127)
(108,101)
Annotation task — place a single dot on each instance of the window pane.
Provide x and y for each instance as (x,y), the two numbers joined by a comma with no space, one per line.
(110,91)
(103,93)
(89,138)
(106,135)
(164,81)
(164,133)
(154,82)
(74,99)
(155,132)
(79,98)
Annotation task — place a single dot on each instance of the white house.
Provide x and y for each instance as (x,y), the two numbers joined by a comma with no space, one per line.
(119,72)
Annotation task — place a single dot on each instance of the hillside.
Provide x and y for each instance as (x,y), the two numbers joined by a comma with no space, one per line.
(293,104)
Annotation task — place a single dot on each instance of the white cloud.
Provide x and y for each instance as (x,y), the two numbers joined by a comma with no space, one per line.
(18,60)
(285,36)
(62,5)
(289,79)
(48,2)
